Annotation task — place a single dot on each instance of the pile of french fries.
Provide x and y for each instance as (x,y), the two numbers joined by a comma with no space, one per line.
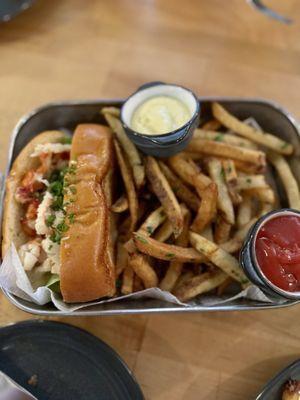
(182,220)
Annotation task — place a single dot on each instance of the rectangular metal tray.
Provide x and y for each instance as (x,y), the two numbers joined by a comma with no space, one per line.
(67,114)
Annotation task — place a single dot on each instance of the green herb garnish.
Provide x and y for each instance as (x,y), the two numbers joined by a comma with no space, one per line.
(149,229)
(66,140)
(170,255)
(62,227)
(56,237)
(118,283)
(141,239)
(71,218)
(284,145)
(219,138)
(50,219)
(248,180)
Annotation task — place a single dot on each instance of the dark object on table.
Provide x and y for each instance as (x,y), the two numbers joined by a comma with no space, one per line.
(69,363)
(258,5)
(10,8)
(274,388)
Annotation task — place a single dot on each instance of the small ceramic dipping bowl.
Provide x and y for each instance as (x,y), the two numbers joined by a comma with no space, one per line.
(168,143)
(269,253)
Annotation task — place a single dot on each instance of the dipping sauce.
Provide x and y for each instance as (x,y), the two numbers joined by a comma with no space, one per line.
(159,115)
(278,251)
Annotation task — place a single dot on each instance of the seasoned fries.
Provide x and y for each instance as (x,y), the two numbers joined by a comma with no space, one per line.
(190,199)
(289,182)
(129,185)
(200,284)
(223,137)
(183,219)
(207,209)
(242,129)
(211,148)
(121,259)
(140,265)
(163,251)
(174,271)
(165,194)
(225,205)
(127,283)
(230,175)
(189,172)
(129,148)
(120,205)
(244,212)
(218,257)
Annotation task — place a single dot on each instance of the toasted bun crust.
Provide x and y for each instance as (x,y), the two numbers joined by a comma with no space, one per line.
(86,253)
(13,211)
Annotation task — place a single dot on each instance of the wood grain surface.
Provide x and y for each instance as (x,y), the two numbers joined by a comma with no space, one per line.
(71,49)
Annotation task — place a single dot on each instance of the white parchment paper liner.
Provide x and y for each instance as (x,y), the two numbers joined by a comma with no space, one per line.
(14,279)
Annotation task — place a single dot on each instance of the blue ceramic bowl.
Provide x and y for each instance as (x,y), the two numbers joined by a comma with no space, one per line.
(170,143)
(249,262)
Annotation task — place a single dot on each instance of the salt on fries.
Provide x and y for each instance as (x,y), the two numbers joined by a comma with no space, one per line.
(183,219)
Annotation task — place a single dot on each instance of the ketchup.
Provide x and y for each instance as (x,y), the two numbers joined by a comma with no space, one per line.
(277,249)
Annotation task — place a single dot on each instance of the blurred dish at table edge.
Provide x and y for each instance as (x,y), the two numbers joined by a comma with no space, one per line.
(160,118)
(208,196)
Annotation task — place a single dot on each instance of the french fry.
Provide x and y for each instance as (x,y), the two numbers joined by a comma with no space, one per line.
(189,172)
(230,175)
(244,212)
(137,284)
(200,284)
(142,268)
(265,208)
(175,267)
(287,178)
(251,182)
(211,125)
(165,231)
(114,111)
(207,209)
(222,230)
(217,149)
(265,195)
(185,276)
(129,148)
(223,137)
(249,168)
(218,256)
(224,203)
(233,245)
(207,232)
(127,282)
(165,195)
(163,251)
(242,129)
(242,166)
(129,185)
(180,189)
(121,259)
(223,286)
(120,205)
(151,223)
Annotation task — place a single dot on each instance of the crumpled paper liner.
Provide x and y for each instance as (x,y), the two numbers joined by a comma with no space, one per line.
(14,280)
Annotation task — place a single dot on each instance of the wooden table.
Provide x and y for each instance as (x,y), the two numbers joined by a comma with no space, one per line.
(73,49)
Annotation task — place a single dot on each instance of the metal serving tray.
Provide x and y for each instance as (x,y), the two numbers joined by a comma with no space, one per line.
(67,114)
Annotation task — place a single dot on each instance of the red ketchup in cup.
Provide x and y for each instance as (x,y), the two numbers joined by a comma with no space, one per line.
(277,248)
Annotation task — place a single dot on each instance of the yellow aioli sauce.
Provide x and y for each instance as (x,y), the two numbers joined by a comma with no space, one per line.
(160,114)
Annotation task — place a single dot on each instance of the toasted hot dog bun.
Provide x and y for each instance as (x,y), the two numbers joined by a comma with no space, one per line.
(86,252)
(13,211)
